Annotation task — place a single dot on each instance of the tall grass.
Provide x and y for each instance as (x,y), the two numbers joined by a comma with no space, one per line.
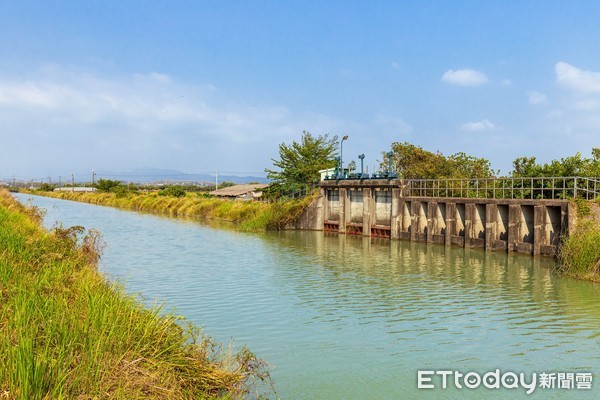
(247,215)
(579,254)
(67,333)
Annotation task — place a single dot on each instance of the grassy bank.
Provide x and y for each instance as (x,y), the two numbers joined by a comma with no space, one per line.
(580,252)
(67,333)
(248,215)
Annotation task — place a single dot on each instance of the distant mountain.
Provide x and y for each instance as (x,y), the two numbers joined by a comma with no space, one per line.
(147,175)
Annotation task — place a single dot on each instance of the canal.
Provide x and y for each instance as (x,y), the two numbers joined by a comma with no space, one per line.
(342,317)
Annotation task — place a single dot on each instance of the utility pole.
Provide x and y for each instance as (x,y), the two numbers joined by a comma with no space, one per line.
(216,179)
(72,182)
(59,181)
(93,176)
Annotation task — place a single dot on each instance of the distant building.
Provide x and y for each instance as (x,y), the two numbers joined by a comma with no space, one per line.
(240,192)
(4,184)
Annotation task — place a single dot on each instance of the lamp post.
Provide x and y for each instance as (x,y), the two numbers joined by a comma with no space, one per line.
(341,154)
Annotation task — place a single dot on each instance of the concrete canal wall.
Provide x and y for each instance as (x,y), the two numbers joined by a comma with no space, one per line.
(381,208)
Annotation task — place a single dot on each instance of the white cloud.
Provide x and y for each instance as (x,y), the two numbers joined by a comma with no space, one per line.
(153,77)
(397,125)
(577,79)
(554,114)
(465,77)
(588,105)
(506,82)
(65,121)
(478,126)
(537,98)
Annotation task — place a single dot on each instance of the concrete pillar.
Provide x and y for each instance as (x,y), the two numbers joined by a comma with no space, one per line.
(396,217)
(368,211)
(539,225)
(415,210)
(491,225)
(431,214)
(469,221)
(322,205)
(450,222)
(568,225)
(343,202)
(514,226)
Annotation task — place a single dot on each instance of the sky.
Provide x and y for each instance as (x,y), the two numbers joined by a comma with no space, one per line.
(201,86)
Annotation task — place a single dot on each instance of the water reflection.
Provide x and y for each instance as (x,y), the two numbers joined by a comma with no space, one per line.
(342,317)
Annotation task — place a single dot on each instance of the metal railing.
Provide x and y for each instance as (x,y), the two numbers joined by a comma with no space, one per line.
(507,188)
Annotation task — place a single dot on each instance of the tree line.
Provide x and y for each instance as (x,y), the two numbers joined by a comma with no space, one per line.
(299,163)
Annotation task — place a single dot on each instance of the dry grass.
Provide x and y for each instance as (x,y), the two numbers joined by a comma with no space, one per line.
(247,215)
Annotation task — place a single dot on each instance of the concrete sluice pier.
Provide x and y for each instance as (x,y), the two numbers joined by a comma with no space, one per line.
(379,208)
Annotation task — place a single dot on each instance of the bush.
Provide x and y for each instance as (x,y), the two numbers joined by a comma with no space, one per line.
(106,185)
(174,191)
(46,187)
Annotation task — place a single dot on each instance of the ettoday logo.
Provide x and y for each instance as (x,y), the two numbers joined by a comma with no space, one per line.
(507,380)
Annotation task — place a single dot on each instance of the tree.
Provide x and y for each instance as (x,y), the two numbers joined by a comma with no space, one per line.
(527,167)
(300,163)
(462,165)
(352,166)
(413,162)
(175,191)
(106,185)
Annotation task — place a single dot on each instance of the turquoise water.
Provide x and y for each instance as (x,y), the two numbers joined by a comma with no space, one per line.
(353,318)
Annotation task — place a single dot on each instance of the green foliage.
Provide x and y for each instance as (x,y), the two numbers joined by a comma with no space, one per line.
(299,163)
(174,191)
(462,165)
(352,166)
(46,187)
(106,185)
(580,252)
(413,162)
(527,167)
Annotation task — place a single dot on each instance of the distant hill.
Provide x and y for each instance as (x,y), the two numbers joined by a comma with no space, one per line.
(147,175)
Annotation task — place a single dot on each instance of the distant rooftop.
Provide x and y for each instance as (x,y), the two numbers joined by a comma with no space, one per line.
(238,190)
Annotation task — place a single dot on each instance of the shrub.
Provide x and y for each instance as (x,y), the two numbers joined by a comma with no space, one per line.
(106,185)
(175,191)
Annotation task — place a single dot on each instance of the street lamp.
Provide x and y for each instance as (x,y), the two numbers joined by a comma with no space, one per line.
(341,153)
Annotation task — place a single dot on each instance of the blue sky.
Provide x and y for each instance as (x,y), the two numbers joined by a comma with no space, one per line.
(203,85)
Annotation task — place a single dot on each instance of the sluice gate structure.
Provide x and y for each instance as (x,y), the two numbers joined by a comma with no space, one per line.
(522,215)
